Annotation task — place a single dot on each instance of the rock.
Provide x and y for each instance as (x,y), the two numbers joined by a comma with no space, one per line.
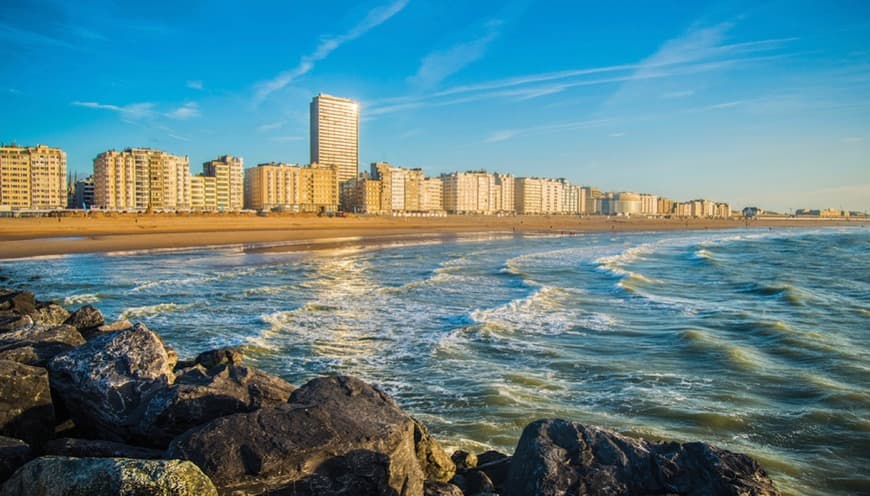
(38,343)
(121,325)
(463,460)
(496,468)
(52,475)
(106,383)
(562,457)
(13,454)
(50,314)
(10,321)
(490,456)
(86,317)
(94,448)
(26,410)
(200,396)
(434,462)
(20,302)
(477,482)
(337,436)
(213,358)
(433,488)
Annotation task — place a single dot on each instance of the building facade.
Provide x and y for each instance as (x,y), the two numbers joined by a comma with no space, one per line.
(228,172)
(32,177)
(535,195)
(312,189)
(141,179)
(469,192)
(83,193)
(335,134)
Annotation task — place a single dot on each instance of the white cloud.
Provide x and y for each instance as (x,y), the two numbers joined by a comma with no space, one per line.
(187,111)
(507,134)
(678,94)
(373,19)
(194,85)
(438,65)
(287,139)
(616,135)
(133,110)
(852,139)
(271,126)
(179,138)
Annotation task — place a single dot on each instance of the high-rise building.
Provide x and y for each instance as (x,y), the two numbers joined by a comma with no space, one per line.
(298,189)
(431,196)
(141,179)
(469,192)
(228,173)
(533,195)
(32,177)
(335,134)
(504,193)
(83,193)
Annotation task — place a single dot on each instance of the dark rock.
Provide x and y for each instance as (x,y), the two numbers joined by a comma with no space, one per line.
(13,454)
(38,343)
(92,332)
(26,411)
(86,317)
(490,456)
(20,302)
(52,475)
(477,482)
(463,460)
(50,314)
(338,435)
(200,396)
(433,488)
(10,321)
(434,462)
(562,457)
(496,469)
(95,448)
(106,383)
(221,356)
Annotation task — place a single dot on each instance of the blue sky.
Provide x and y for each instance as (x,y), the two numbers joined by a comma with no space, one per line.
(762,103)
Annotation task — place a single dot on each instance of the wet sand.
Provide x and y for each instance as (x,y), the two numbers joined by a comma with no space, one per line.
(29,237)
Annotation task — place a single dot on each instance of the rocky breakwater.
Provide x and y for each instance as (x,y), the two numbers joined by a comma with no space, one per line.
(89,408)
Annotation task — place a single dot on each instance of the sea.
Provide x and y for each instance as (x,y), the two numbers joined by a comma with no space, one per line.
(754,340)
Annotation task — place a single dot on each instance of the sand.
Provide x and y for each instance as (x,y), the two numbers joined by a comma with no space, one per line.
(30,237)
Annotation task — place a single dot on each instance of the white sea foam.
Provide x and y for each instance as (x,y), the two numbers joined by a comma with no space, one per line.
(161,308)
(80,299)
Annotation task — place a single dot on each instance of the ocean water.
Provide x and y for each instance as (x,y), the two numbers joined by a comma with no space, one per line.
(752,340)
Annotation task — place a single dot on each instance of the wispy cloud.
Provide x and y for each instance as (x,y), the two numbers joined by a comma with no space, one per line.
(373,19)
(144,110)
(678,94)
(507,134)
(271,126)
(616,135)
(440,64)
(189,110)
(179,138)
(852,139)
(194,84)
(24,37)
(287,139)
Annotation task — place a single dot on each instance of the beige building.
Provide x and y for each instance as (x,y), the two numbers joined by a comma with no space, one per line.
(32,177)
(141,178)
(665,206)
(593,198)
(431,195)
(335,134)
(362,195)
(649,204)
(228,173)
(407,190)
(469,192)
(504,193)
(534,195)
(298,189)
(203,193)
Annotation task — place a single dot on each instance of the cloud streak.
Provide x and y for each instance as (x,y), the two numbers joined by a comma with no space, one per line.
(373,19)
(439,65)
(144,110)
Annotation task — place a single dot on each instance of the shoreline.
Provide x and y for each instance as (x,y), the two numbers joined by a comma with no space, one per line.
(37,237)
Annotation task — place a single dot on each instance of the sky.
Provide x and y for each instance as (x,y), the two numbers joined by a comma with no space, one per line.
(750,102)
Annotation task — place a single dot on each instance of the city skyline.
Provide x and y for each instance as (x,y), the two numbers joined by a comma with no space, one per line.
(752,105)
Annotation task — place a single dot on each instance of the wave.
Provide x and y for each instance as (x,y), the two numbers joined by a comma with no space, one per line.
(159,309)
(81,299)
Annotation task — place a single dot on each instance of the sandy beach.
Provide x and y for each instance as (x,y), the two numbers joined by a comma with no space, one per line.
(30,237)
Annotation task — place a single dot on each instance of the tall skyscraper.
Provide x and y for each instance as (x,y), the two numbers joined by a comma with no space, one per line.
(335,134)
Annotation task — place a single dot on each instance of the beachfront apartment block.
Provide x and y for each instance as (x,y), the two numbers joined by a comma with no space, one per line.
(314,188)
(405,190)
(535,195)
(32,177)
(141,179)
(228,172)
(362,195)
(477,192)
(335,134)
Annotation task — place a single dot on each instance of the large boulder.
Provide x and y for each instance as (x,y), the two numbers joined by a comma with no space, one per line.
(13,454)
(20,302)
(26,410)
(50,314)
(96,448)
(86,317)
(337,436)
(52,475)
(38,343)
(436,464)
(201,395)
(92,332)
(106,383)
(555,457)
(10,321)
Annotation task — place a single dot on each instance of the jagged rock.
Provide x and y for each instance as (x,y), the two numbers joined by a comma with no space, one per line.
(50,314)
(434,488)
(490,456)
(20,302)
(26,411)
(94,448)
(86,317)
(200,396)
(477,482)
(52,475)
(13,454)
(436,465)
(213,358)
(337,436)
(495,465)
(463,460)
(562,457)
(10,321)
(38,343)
(106,383)
(92,332)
